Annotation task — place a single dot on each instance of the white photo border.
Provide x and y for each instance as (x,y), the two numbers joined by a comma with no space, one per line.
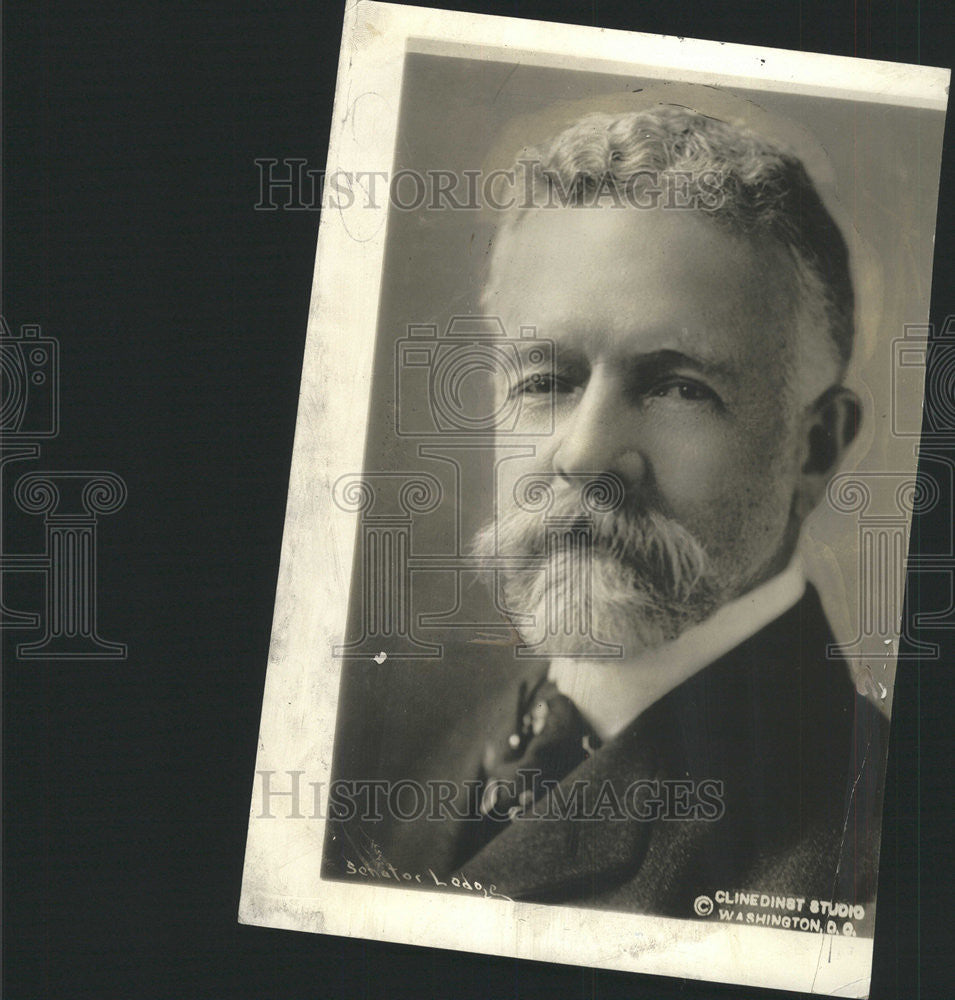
(282,884)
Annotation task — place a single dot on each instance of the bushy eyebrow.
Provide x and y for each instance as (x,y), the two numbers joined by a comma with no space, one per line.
(650,364)
(665,361)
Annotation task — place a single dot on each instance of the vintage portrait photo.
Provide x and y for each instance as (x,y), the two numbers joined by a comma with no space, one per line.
(588,616)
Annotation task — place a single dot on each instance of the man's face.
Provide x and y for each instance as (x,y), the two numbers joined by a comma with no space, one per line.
(673,348)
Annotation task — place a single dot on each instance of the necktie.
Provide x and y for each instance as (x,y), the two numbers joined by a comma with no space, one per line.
(539,745)
(545,741)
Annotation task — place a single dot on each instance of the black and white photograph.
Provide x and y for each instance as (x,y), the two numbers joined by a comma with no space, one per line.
(602,599)
(477,486)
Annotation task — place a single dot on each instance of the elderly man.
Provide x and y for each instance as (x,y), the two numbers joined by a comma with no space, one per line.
(683,731)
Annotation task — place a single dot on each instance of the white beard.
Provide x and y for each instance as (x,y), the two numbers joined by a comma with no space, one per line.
(639,581)
(563,620)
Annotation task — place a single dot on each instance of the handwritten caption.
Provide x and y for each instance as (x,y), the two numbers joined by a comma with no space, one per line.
(460,882)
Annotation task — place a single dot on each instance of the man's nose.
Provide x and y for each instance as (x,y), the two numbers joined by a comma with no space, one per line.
(602,433)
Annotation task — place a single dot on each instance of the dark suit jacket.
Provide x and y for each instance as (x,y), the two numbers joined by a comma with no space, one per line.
(798,754)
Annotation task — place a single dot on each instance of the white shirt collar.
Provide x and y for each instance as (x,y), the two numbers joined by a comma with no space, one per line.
(610,694)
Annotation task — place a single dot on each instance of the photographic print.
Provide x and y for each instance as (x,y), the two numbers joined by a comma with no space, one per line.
(590,599)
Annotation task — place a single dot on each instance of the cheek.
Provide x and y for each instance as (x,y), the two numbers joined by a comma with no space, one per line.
(721,484)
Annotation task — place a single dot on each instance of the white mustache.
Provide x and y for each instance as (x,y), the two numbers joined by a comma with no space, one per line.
(664,560)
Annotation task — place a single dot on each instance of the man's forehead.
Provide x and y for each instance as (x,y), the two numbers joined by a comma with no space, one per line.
(630,281)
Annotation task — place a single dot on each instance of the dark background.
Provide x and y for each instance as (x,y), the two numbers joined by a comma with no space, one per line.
(130,235)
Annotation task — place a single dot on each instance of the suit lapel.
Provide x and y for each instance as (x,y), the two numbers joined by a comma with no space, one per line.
(742,719)
(579,834)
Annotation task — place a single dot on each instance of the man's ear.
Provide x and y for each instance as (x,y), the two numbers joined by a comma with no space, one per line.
(830,425)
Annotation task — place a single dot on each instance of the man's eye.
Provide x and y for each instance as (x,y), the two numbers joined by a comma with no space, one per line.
(684,389)
(540,384)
